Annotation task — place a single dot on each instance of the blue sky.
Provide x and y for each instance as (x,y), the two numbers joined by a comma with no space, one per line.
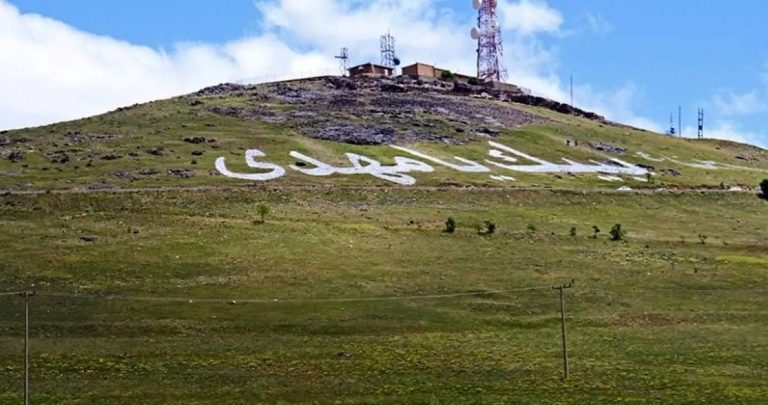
(634,61)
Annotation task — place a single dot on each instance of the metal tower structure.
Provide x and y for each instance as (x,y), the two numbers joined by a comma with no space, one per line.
(489,44)
(671,124)
(388,57)
(701,123)
(343,58)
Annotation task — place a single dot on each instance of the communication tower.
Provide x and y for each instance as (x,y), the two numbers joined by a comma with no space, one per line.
(671,125)
(343,58)
(701,123)
(489,44)
(388,57)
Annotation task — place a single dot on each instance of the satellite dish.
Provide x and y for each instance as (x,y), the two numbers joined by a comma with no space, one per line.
(397,61)
(475,33)
(476,4)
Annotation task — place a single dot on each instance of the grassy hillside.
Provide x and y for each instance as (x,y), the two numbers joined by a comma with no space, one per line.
(144,146)
(659,317)
(171,291)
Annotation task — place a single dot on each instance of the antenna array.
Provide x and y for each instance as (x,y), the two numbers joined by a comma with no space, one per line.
(489,44)
(343,58)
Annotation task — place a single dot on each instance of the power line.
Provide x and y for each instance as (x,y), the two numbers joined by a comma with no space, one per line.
(298,301)
(12,293)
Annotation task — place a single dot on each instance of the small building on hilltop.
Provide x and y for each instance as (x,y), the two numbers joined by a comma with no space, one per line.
(423,71)
(370,70)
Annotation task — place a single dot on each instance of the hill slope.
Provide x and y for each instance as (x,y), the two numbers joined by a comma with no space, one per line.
(177,141)
(351,290)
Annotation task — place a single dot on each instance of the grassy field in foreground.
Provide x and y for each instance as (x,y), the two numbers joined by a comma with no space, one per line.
(669,315)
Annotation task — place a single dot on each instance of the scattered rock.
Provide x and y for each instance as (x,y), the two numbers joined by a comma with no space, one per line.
(58,157)
(341,83)
(89,239)
(124,175)
(392,88)
(101,186)
(149,172)
(183,173)
(671,172)
(15,156)
(197,153)
(194,103)
(111,157)
(646,167)
(221,89)
(6,140)
(357,135)
(604,147)
(135,231)
(487,132)
(156,151)
(77,137)
(195,140)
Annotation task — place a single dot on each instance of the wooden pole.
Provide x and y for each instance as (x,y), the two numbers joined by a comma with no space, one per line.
(561,289)
(26,295)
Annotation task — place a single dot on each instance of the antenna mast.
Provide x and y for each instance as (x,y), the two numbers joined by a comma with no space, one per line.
(671,124)
(388,57)
(489,44)
(701,123)
(343,58)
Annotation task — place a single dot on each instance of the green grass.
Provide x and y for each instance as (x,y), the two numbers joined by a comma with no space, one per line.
(659,318)
(674,314)
(167,123)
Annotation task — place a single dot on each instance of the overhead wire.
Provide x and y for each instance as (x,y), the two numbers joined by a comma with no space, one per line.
(291,300)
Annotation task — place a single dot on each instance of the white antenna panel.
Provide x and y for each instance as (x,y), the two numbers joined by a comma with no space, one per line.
(476,4)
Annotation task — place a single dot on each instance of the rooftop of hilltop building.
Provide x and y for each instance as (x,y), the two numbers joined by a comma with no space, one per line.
(427,72)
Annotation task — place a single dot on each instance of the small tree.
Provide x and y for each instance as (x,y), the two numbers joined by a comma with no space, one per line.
(450,225)
(595,231)
(263,210)
(617,233)
(446,75)
(764,188)
(490,227)
(573,231)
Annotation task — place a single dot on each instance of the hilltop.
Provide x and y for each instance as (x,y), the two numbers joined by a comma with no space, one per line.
(176,142)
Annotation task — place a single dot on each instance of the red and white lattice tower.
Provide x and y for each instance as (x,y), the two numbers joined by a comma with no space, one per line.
(489,45)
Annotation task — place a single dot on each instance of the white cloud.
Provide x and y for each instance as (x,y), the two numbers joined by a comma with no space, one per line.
(728,130)
(739,103)
(598,25)
(529,17)
(50,71)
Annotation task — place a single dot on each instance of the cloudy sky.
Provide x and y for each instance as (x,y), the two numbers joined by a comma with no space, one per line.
(633,61)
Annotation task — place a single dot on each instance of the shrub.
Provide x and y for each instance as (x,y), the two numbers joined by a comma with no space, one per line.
(764,188)
(595,231)
(573,231)
(703,239)
(617,233)
(531,228)
(446,75)
(263,209)
(473,81)
(450,225)
(490,227)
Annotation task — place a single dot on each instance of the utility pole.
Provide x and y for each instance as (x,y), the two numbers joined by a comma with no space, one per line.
(561,289)
(680,121)
(572,91)
(26,295)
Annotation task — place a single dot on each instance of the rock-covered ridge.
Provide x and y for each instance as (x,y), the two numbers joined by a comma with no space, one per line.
(383,111)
